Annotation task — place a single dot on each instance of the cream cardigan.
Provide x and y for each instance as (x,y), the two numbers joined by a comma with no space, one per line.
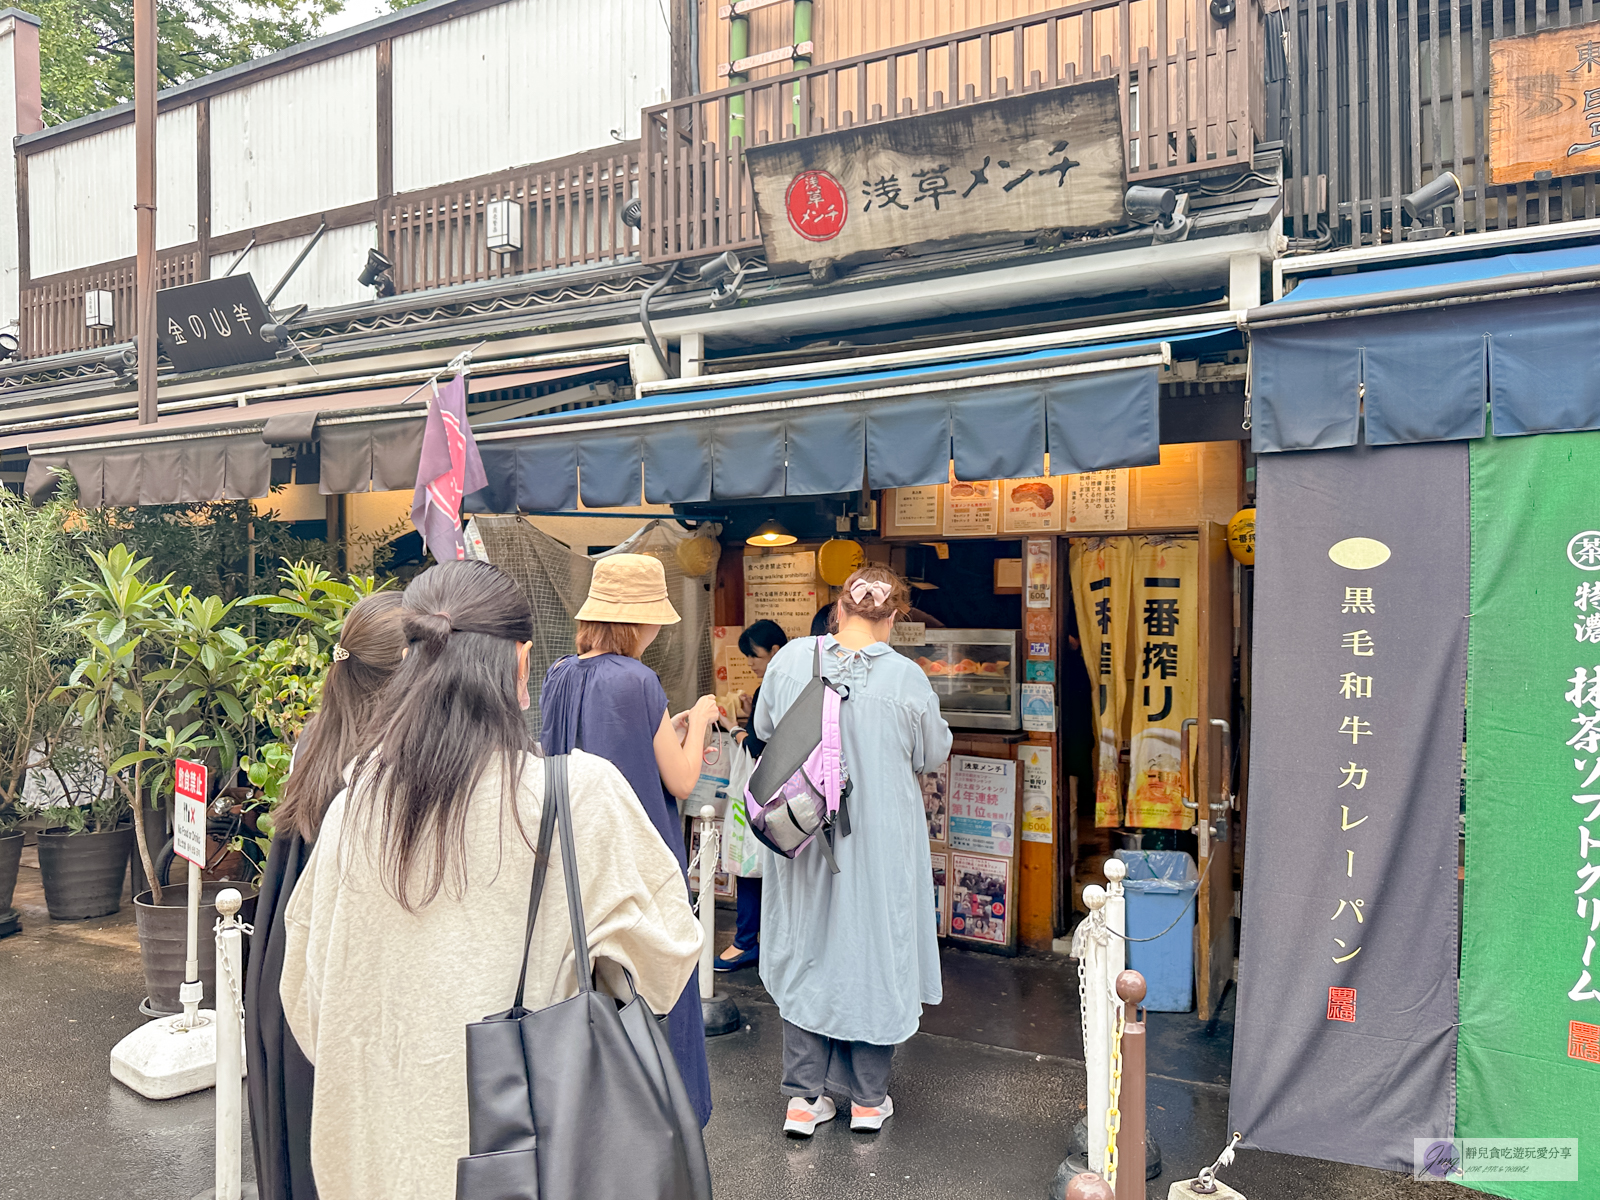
(379,998)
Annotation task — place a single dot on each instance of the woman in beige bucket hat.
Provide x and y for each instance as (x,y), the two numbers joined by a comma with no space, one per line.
(605,701)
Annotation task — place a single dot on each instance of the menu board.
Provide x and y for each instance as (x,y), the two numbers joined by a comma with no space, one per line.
(983,804)
(916,507)
(1097,500)
(972,509)
(1033,505)
(1037,807)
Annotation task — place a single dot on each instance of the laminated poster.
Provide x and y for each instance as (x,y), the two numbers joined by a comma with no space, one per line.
(916,508)
(980,899)
(780,568)
(1097,500)
(1038,708)
(1038,570)
(972,509)
(1037,776)
(936,801)
(1034,505)
(983,804)
(731,668)
(941,892)
(791,605)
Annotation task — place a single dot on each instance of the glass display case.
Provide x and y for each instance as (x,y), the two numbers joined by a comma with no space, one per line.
(975,673)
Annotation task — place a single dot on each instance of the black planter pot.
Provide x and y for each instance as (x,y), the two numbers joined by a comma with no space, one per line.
(10,859)
(163,941)
(82,873)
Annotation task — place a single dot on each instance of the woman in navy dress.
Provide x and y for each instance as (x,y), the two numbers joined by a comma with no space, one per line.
(603,700)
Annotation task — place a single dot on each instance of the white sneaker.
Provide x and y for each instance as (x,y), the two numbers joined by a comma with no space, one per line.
(804,1115)
(870,1120)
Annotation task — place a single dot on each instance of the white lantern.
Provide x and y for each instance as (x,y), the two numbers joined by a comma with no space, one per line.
(503,223)
(97,310)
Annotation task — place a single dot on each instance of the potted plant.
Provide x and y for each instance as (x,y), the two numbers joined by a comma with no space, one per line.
(38,645)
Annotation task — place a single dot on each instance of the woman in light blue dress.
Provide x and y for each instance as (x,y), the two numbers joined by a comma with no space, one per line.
(851,958)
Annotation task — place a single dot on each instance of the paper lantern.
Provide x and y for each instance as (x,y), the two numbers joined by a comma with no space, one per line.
(1242,536)
(698,556)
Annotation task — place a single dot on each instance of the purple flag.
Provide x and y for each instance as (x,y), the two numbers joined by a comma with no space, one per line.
(449,469)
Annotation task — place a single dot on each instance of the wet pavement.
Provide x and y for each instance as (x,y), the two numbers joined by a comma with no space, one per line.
(986,1095)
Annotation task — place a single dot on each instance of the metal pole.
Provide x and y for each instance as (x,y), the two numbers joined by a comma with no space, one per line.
(1097,1016)
(230,1046)
(1130,1137)
(191,991)
(144,186)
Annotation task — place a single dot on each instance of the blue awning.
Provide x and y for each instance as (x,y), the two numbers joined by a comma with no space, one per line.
(1448,347)
(1090,407)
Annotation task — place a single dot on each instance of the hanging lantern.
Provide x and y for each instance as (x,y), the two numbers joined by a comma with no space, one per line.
(698,555)
(838,559)
(1242,536)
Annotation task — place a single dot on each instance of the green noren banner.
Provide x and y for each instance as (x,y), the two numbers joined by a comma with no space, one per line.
(1528,1059)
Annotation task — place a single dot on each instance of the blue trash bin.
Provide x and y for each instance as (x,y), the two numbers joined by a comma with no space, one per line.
(1160,890)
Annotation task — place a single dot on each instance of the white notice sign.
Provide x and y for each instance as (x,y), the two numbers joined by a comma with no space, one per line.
(1097,500)
(780,568)
(189,830)
(791,605)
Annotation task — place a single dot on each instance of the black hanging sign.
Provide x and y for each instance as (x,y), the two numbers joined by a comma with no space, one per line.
(214,323)
(1345,1040)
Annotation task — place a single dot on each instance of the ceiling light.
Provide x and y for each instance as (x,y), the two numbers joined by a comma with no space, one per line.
(771,533)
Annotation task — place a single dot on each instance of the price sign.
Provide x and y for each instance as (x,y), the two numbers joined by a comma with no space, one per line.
(189,834)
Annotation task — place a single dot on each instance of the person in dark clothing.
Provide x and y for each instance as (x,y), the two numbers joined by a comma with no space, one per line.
(823,622)
(281,1079)
(758,644)
(603,700)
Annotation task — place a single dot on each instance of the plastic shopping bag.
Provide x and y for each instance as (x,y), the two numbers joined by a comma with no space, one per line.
(740,850)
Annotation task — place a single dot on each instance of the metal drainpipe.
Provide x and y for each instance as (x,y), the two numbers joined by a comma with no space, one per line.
(738,47)
(644,316)
(802,33)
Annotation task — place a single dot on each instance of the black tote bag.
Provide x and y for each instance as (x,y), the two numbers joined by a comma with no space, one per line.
(581,1100)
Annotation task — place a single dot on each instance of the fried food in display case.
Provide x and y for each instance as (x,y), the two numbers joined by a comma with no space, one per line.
(975,673)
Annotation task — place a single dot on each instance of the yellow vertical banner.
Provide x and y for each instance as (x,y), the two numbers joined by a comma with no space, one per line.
(1166,672)
(1102,573)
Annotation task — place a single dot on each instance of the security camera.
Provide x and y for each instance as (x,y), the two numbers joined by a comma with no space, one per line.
(1162,207)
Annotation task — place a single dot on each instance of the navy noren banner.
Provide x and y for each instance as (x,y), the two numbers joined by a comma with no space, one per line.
(1345,1041)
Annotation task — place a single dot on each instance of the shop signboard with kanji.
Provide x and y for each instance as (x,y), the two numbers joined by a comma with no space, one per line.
(1544,104)
(214,323)
(1051,159)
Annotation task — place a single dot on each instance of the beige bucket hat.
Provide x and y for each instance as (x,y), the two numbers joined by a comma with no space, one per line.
(630,589)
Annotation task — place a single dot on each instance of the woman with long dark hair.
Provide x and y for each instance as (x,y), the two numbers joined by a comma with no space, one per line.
(409,922)
(368,651)
(606,701)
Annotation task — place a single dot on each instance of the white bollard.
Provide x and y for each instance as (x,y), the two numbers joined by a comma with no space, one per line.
(709,859)
(719,1012)
(1116,921)
(1096,1015)
(190,992)
(230,1045)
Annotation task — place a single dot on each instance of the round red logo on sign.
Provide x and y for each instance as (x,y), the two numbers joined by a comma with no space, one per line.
(816,206)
